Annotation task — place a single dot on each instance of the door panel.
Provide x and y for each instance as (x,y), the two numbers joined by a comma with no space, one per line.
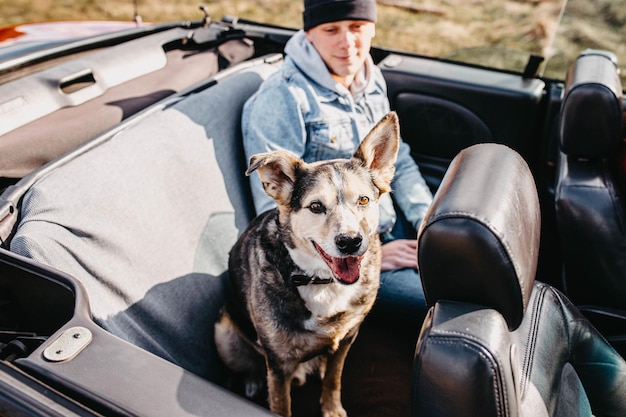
(445,107)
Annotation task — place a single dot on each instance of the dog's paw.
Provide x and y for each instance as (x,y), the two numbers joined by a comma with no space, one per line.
(299,377)
(253,387)
(331,405)
(299,380)
(335,412)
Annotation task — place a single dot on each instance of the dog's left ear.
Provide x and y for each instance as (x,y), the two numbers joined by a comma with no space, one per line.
(379,151)
(277,171)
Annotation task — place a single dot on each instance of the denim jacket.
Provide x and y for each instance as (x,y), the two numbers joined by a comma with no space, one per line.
(301,108)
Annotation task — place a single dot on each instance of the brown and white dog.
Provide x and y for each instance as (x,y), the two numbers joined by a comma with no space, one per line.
(305,275)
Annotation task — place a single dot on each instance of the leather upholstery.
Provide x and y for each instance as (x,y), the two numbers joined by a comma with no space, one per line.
(473,357)
(589,204)
(591,114)
(468,224)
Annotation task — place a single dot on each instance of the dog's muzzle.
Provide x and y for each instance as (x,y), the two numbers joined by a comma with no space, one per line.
(346,269)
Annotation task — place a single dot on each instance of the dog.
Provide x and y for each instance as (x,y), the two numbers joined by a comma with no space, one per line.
(305,274)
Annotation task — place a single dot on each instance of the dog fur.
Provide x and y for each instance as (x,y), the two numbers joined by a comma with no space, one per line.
(276,328)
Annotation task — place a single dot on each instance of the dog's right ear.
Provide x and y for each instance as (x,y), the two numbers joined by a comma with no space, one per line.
(277,171)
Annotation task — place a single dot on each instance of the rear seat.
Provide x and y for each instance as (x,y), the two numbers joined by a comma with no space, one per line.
(145,221)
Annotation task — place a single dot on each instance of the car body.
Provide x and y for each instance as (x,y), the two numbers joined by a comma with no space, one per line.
(91,130)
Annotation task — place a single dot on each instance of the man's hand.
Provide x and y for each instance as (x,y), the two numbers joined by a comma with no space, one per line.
(398,254)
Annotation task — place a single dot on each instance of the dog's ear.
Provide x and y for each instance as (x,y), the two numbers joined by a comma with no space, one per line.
(379,151)
(277,171)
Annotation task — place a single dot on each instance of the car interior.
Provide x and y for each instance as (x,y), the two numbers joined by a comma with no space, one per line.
(504,343)
(589,192)
(115,236)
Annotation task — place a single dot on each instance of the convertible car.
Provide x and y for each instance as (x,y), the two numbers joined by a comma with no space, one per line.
(122,189)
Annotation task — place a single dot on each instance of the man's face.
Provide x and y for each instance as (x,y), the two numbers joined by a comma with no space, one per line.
(343,45)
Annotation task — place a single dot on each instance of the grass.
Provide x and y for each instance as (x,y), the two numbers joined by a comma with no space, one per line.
(434,27)
(441,24)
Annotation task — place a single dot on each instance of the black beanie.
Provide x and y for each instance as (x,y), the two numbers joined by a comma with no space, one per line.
(317,12)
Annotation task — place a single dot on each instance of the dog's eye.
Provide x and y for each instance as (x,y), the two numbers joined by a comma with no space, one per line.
(316,207)
(363,200)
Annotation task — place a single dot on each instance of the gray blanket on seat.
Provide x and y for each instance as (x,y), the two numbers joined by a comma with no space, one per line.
(146,220)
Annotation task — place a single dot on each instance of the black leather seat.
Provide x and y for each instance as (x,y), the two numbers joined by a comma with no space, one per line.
(496,342)
(588,193)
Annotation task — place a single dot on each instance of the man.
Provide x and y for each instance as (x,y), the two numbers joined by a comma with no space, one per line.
(324,99)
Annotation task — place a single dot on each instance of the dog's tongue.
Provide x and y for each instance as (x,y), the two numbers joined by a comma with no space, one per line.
(346,269)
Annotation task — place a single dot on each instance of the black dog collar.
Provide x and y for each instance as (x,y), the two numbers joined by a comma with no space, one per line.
(301,279)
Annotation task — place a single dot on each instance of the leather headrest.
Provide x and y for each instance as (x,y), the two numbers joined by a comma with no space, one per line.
(591,113)
(479,241)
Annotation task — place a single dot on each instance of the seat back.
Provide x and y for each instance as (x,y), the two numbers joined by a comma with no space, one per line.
(589,203)
(471,209)
(145,222)
(495,342)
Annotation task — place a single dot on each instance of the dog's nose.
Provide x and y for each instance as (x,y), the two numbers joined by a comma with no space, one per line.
(348,244)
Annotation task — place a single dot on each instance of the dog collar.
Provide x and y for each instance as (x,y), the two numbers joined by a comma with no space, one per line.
(301,279)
